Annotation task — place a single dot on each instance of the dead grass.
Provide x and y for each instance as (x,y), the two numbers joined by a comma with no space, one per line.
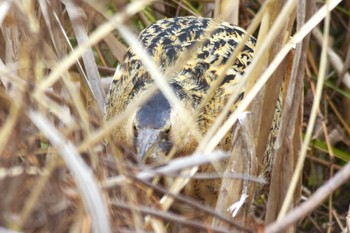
(56,174)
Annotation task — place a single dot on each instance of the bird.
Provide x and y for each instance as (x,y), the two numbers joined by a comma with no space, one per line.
(195,50)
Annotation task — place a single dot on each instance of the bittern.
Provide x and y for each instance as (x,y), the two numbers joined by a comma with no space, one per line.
(195,50)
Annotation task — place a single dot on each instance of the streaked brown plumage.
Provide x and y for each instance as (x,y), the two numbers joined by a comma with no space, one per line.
(155,126)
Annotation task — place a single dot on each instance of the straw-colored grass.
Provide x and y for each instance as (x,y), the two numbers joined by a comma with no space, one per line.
(63,170)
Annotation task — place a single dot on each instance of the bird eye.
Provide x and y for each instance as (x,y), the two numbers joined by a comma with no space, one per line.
(134,130)
(167,131)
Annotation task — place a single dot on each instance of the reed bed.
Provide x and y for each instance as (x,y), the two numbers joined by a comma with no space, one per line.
(63,170)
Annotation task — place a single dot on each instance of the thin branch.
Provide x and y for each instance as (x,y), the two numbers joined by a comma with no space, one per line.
(334,59)
(313,202)
(312,120)
(94,38)
(195,204)
(173,166)
(94,81)
(169,216)
(86,182)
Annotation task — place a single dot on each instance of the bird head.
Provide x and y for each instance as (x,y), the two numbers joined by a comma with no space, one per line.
(152,128)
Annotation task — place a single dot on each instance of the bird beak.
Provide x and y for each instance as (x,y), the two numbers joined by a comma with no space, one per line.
(146,141)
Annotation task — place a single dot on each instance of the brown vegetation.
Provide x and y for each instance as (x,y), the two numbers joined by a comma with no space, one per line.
(58,175)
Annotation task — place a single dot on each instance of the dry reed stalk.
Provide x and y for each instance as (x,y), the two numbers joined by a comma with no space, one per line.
(51,54)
